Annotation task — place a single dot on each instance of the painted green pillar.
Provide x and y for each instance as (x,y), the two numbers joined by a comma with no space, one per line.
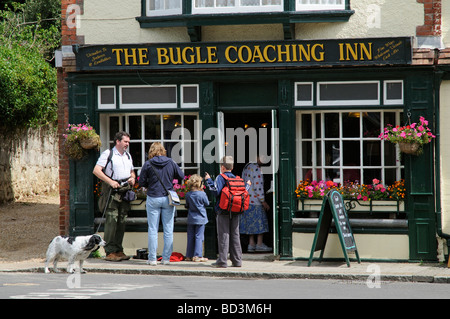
(81,178)
(419,171)
(286,179)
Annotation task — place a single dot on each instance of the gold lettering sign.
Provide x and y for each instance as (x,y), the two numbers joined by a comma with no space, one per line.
(257,54)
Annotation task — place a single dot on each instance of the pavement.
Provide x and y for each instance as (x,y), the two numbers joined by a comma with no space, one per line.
(261,266)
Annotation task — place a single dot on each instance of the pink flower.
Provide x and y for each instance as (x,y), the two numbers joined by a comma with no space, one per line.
(375,181)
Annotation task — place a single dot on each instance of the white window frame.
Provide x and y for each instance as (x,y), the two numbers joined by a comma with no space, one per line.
(304,103)
(189,105)
(323,139)
(106,106)
(163,12)
(392,101)
(147,105)
(124,123)
(348,102)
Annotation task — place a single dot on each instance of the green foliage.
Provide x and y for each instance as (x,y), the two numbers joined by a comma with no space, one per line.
(28,87)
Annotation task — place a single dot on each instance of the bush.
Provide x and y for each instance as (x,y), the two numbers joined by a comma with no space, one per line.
(28,94)
(28,85)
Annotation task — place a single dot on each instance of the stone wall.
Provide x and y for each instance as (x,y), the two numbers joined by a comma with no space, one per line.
(28,163)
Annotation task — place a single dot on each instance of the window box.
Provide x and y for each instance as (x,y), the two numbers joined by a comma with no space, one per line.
(392,206)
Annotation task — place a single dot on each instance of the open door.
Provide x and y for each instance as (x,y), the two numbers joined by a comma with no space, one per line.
(274,186)
(221,138)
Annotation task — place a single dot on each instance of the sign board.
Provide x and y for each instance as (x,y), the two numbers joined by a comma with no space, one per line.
(254,54)
(333,208)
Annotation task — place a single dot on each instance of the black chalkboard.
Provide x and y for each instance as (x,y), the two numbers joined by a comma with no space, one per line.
(333,208)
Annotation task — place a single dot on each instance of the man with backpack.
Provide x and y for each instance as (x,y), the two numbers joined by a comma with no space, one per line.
(232,199)
(115,168)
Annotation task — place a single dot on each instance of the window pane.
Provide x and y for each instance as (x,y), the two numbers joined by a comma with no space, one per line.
(189,121)
(372,153)
(135,127)
(170,123)
(304,92)
(306,126)
(190,94)
(394,90)
(348,91)
(332,154)
(113,126)
(306,153)
(370,174)
(135,150)
(350,124)
(390,153)
(149,95)
(351,153)
(352,175)
(371,124)
(107,95)
(331,125)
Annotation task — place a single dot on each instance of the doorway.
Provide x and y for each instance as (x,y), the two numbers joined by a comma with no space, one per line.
(246,135)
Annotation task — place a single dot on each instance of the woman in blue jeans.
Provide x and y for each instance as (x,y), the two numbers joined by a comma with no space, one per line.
(157,204)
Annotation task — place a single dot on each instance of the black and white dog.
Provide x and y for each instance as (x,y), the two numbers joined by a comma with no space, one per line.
(72,249)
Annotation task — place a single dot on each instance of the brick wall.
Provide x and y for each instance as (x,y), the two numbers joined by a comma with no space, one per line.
(69,37)
(432,18)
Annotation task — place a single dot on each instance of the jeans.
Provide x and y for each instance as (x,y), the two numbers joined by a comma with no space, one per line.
(156,207)
(195,237)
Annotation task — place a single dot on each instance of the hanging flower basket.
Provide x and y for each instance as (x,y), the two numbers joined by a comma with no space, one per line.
(79,139)
(410,138)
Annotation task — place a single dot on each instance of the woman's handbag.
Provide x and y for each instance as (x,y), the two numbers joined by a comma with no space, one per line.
(174,199)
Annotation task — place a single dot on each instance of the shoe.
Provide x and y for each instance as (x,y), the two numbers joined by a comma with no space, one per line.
(151,262)
(199,259)
(113,257)
(251,249)
(165,262)
(122,255)
(187,259)
(233,265)
(263,248)
(216,265)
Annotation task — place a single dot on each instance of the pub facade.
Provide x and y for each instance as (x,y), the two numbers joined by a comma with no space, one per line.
(310,85)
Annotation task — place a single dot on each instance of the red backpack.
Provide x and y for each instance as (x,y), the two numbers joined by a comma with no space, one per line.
(234,197)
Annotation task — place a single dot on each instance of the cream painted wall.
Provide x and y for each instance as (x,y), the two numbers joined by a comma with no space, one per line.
(445,154)
(370,246)
(113,21)
(360,25)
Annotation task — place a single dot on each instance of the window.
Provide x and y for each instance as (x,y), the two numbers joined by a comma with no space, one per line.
(348,93)
(304,94)
(234,6)
(164,96)
(311,5)
(106,97)
(351,93)
(393,92)
(178,132)
(148,97)
(163,7)
(344,146)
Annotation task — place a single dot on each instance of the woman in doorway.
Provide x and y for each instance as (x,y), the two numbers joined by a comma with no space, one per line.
(253,222)
(157,170)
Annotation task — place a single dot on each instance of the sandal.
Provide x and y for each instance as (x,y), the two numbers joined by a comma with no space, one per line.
(199,259)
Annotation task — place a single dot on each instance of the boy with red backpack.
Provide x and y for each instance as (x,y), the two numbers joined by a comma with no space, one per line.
(232,199)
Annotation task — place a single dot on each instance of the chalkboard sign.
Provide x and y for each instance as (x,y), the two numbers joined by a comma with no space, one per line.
(333,208)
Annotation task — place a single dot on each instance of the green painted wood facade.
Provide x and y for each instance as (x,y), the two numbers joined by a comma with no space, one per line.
(266,90)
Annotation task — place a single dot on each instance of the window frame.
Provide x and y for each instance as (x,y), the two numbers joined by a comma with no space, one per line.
(399,167)
(124,124)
